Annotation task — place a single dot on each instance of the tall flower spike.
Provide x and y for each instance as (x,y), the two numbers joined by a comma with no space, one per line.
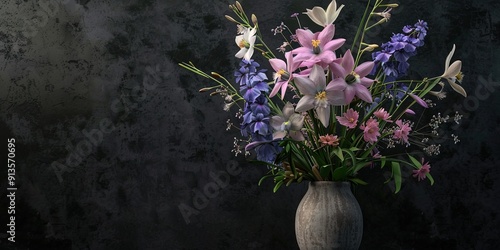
(322,17)
(452,73)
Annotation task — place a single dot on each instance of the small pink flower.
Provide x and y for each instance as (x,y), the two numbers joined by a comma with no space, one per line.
(331,140)
(370,130)
(402,132)
(349,118)
(382,115)
(420,173)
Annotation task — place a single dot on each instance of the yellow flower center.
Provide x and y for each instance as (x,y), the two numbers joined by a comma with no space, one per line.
(460,76)
(283,74)
(244,44)
(315,43)
(316,48)
(351,120)
(321,96)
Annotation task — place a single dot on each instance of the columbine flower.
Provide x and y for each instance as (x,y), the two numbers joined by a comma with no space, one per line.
(420,174)
(352,80)
(283,73)
(370,130)
(349,118)
(317,48)
(331,140)
(402,132)
(382,115)
(452,73)
(246,43)
(289,123)
(317,95)
(322,17)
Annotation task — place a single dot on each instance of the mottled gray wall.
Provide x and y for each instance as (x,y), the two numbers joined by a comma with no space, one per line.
(95,85)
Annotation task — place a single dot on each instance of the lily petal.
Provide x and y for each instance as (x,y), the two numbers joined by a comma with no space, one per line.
(320,15)
(277,64)
(364,69)
(349,93)
(305,85)
(323,115)
(326,35)
(457,88)
(305,103)
(453,70)
(288,110)
(348,61)
(363,93)
(448,58)
(305,37)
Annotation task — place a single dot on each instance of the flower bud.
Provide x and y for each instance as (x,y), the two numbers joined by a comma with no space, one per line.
(254,20)
(230,19)
(392,5)
(238,5)
(215,74)
(204,89)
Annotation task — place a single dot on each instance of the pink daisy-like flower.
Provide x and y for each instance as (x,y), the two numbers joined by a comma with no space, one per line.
(349,118)
(420,174)
(370,130)
(331,140)
(382,115)
(402,132)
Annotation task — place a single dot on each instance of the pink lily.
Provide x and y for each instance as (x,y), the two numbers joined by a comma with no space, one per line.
(283,73)
(317,48)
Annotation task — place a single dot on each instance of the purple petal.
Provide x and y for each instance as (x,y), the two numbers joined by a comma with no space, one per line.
(365,81)
(364,69)
(338,70)
(349,93)
(326,34)
(348,61)
(334,44)
(276,88)
(419,100)
(297,135)
(288,110)
(305,37)
(276,122)
(337,84)
(277,64)
(363,93)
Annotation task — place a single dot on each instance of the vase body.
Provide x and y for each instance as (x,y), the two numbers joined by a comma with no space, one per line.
(329,217)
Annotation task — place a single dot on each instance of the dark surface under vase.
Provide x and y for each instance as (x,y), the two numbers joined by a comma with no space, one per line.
(329,217)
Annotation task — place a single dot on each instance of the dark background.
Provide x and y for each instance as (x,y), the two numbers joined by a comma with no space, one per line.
(69,67)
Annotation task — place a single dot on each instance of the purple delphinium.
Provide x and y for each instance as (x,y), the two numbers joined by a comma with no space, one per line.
(246,70)
(395,54)
(256,117)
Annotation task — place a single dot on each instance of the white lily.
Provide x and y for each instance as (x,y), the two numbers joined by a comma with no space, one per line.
(246,43)
(453,73)
(322,17)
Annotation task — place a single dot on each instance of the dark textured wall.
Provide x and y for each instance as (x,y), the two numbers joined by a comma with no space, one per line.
(112,136)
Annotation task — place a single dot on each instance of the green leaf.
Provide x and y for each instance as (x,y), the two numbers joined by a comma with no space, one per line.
(263,178)
(396,173)
(429,176)
(340,174)
(358,181)
(415,162)
(338,152)
(354,149)
(277,186)
(325,170)
(382,162)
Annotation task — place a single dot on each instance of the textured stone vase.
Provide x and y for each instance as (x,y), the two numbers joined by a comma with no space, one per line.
(329,217)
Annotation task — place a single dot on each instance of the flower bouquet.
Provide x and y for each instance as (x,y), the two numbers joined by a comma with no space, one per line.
(330,111)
